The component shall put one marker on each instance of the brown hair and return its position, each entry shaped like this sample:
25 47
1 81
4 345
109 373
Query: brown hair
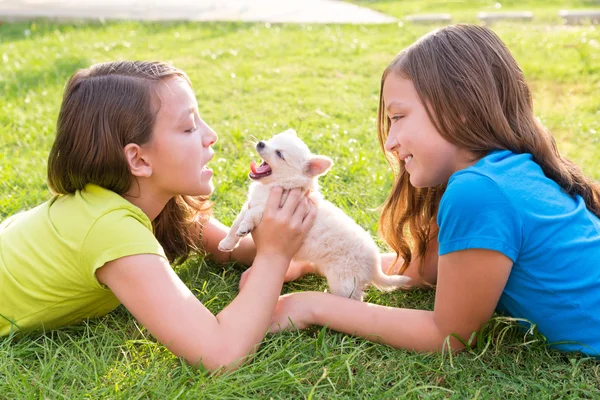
105 107
476 96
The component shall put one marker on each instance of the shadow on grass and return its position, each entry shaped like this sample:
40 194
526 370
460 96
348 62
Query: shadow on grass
13 32
20 82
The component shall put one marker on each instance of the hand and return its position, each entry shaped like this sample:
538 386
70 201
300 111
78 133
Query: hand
283 229
293 311
386 263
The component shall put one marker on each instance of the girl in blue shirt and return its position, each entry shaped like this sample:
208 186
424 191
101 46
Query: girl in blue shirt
483 206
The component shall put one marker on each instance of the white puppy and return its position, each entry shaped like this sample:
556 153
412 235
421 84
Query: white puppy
340 249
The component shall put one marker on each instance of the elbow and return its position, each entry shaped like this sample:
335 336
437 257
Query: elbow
455 342
454 337
219 359
451 344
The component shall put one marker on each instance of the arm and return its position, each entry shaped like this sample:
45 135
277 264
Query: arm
154 294
470 283
214 231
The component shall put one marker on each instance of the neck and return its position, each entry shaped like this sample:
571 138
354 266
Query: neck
306 184
149 202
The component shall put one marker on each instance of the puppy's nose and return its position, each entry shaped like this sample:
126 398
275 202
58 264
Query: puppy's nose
260 145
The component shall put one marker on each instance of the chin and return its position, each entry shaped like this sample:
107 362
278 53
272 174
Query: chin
415 182
203 189
419 183
206 190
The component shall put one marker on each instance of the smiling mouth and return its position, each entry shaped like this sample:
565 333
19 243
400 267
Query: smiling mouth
258 172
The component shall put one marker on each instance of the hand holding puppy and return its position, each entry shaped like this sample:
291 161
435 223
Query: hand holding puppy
283 229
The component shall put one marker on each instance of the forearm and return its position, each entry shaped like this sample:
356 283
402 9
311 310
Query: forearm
245 321
245 253
214 231
398 327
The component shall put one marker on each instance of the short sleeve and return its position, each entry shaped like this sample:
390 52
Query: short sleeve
475 213
118 233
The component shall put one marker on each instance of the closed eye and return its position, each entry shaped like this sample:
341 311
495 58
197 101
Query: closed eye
396 117
279 154
190 130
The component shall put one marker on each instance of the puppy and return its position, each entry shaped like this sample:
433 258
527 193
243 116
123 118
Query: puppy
340 249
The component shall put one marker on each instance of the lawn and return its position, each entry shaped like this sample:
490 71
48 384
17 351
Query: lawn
256 80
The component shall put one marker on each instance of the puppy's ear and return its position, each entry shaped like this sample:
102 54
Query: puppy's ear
317 165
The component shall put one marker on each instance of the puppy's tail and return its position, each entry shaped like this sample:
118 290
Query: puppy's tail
388 283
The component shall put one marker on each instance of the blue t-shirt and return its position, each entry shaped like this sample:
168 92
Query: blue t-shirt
505 203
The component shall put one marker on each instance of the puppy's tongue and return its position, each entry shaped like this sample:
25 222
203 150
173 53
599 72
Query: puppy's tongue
261 169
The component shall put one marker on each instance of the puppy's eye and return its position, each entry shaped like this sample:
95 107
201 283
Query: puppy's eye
279 154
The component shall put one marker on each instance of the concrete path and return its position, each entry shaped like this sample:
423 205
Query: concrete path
299 11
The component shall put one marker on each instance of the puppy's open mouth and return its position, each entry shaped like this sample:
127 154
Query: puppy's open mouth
259 172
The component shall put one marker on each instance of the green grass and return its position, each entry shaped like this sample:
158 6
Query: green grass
544 11
254 79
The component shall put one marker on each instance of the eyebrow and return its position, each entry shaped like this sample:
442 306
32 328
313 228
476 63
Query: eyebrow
394 103
187 112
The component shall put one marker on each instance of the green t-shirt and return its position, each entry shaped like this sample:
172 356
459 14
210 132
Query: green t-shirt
49 256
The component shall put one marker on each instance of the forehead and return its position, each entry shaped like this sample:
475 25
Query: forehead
286 140
175 95
396 88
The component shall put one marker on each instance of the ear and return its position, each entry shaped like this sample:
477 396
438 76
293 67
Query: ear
317 165
138 164
291 132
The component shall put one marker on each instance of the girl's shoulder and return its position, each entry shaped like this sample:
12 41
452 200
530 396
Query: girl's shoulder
511 185
104 225
68 220
517 176
85 207
500 165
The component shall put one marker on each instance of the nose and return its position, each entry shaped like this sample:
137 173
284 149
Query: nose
260 145
391 144
210 138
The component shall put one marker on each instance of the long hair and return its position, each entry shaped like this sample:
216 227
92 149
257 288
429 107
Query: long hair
105 107
476 96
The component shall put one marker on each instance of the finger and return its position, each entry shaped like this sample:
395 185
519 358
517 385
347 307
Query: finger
274 198
292 201
309 218
309 206
301 211
284 196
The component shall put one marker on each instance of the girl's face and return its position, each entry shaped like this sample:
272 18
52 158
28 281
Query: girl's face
181 143
429 159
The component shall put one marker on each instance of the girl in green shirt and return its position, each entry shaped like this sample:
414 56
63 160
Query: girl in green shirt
129 172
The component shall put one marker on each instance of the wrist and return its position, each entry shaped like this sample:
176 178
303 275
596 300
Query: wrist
308 268
273 260
312 309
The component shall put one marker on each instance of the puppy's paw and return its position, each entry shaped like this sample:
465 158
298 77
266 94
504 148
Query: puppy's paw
227 245
244 229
